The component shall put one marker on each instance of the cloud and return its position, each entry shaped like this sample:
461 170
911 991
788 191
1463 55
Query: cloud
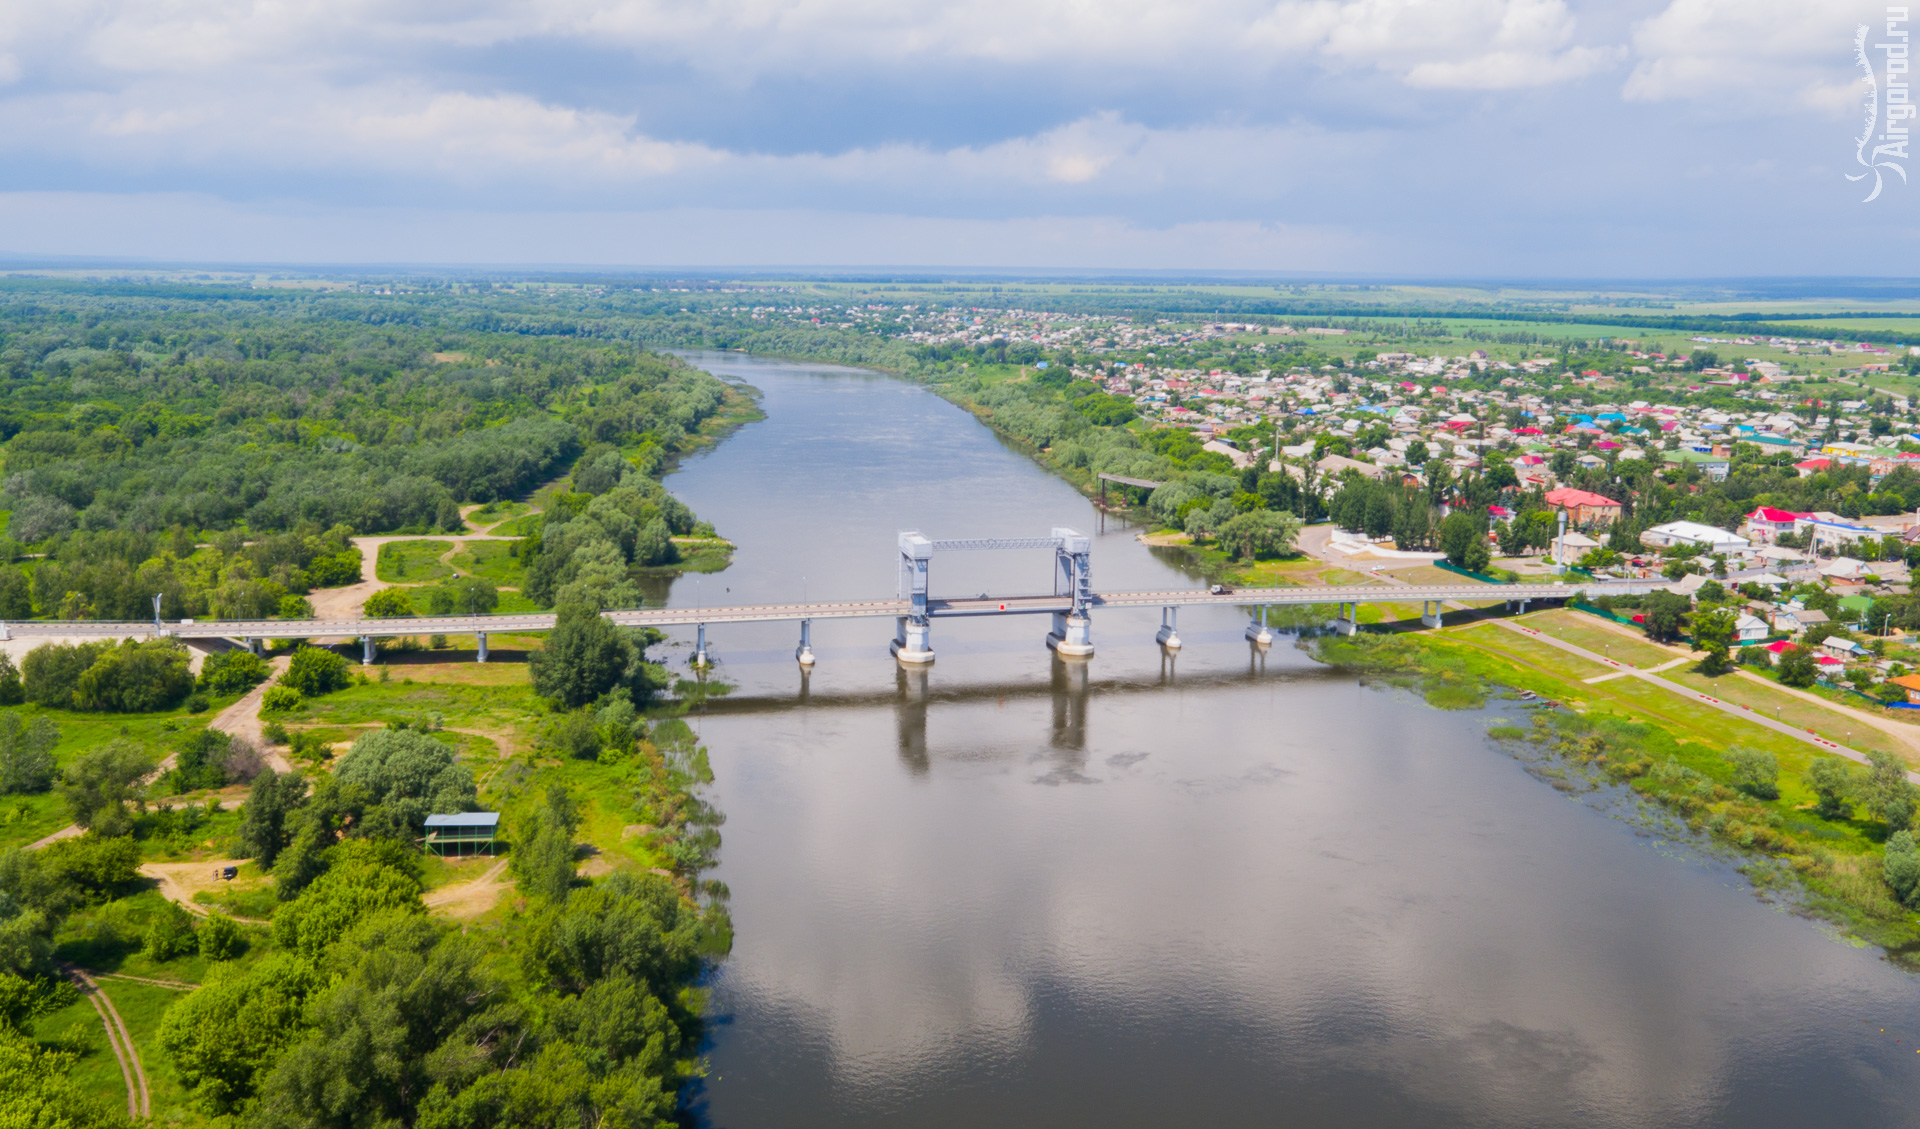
1444 44
1750 56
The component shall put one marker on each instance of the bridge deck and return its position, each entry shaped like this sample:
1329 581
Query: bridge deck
875 609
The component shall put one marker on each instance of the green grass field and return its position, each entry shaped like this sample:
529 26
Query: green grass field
412 562
492 560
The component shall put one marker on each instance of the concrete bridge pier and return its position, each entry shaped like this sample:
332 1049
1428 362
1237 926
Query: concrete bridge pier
1257 630
481 637
1169 634
366 650
257 646
1072 635
805 652
700 647
913 640
1349 621
1430 611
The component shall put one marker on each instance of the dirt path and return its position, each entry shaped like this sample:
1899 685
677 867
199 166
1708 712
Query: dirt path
242 718
472 898
139 1103
180 881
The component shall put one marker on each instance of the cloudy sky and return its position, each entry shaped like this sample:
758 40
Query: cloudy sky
1542 138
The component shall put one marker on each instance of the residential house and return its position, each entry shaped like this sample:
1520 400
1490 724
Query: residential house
1793 621
1766 524
1911 684
1583 509
1750 629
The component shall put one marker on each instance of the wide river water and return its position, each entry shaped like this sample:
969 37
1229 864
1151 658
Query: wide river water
1232 889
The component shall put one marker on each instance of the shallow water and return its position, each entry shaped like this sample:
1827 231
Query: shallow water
1232 888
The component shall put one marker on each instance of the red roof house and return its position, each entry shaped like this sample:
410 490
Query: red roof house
1583 508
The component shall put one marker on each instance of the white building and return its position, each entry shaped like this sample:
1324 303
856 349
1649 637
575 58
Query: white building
1693 533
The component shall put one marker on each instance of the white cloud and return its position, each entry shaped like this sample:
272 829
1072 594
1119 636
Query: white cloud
1750 55
1448 44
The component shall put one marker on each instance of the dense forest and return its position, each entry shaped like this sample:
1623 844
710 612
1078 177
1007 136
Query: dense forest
142 425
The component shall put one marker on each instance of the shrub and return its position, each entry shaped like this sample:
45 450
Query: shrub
232 672
274 732
169 934
315 671
389 603
279 699
218 937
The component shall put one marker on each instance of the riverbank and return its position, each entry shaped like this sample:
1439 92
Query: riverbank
1670 757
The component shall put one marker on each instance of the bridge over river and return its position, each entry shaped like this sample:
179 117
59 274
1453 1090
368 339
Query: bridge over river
1070 605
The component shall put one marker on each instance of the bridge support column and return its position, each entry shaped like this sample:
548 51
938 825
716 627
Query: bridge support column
913 640
805 652
1431 617
481 637
700 647
1072 635
257 646
1169 634
1349 621
1257 630
366 650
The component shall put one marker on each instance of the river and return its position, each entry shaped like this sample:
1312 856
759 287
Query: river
1227 889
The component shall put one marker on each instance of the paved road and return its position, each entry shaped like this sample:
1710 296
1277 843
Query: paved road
1688 692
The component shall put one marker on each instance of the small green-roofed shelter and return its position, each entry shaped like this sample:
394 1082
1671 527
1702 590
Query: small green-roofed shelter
462 833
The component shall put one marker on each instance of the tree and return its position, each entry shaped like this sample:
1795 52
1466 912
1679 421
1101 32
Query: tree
1259 532
218 938
584 657
406 776
314 671
169 933
226 1037
1834 784
1888 795
1416 452
543 860
1902 868
389 603
40 1091
1663 613
50 672
232 672
99 782
1458 534
26 754
466 595
1797 667
1713 633
265 818
1755 772
12 693
135 677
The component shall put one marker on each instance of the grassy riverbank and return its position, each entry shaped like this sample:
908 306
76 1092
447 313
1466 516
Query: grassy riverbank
1673 757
